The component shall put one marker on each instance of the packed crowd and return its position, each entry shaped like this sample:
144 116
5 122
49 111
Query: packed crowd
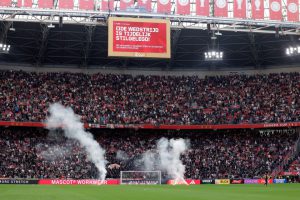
35 153
294 166
127 99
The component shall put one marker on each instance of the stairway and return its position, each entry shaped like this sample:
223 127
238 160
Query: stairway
290 157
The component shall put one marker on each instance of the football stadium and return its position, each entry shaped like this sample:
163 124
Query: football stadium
149 99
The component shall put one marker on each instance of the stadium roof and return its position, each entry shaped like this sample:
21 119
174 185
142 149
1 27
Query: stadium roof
86 46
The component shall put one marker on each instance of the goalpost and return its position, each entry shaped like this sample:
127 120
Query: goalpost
140 177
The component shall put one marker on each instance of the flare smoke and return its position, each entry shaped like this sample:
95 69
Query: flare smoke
168 157
73 128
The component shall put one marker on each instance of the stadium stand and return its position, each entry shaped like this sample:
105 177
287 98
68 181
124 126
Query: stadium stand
126 99
294 165
35 153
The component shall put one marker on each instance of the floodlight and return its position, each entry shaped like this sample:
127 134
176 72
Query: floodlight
4 48
213 55
292 51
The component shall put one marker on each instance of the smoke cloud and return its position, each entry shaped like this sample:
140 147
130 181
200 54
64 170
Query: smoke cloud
73 128
150 161
167 157
121 155
169 153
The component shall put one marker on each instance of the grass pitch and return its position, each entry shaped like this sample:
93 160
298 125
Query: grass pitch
142 192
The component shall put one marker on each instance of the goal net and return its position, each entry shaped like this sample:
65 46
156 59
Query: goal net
140 177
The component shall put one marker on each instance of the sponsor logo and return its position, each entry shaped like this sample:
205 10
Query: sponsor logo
222 181
78 182
136 54
183 2
257 181
139 182
221 3
251 181
279 181
187 181
18 181
275 6
236 181
262 181
207 181
293 8
164 2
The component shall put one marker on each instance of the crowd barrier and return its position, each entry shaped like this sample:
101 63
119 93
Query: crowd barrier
117 181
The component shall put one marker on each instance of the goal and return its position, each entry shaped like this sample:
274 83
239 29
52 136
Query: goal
140 177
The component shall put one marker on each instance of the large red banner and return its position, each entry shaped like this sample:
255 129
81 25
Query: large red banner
275 9
45 3
5 3
107 5
146 4
221 8
86 4
164 6
293 10
26 4
239 8
79 182
66 4
124 4
130 37
258 8
183 7
202 7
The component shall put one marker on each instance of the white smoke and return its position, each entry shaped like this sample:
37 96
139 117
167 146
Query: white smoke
150 162
121 155
167 158
73 128
169 153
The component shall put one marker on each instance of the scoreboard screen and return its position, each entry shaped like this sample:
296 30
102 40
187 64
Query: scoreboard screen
132 37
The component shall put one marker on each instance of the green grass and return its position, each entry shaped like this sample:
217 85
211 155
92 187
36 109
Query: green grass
142 192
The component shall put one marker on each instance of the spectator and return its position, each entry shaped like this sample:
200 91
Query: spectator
34 153
125 99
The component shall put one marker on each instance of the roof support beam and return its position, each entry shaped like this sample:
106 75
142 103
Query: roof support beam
43 45
175 37
5 27
87 45
254 50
